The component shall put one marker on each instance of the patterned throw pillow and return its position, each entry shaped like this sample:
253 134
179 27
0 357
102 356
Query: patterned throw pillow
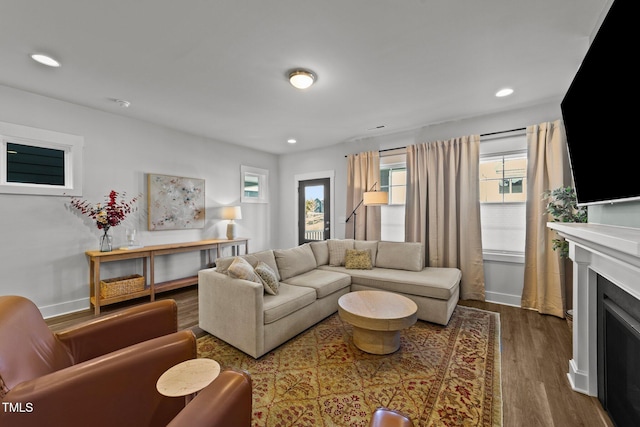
268 276
241 269
337 248
358 260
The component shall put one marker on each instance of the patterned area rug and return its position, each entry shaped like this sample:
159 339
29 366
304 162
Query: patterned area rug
440 376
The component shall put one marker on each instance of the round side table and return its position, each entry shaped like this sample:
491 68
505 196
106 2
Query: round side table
188 378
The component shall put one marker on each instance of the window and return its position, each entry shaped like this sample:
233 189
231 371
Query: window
29 164
393 179
37 161
254 184
503 178
503 195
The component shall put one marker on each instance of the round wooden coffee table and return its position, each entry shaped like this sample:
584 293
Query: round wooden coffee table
377 318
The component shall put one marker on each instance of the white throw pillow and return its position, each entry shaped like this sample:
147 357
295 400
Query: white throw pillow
241 269
268 276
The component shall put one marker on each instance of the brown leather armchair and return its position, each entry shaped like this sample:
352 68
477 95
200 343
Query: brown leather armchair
385 417
102 372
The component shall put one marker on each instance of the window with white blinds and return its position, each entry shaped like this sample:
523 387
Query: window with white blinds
503 170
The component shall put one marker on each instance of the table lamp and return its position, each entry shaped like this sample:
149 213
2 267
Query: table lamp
231 213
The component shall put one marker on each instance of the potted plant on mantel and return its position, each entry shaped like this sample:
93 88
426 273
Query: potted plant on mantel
562 205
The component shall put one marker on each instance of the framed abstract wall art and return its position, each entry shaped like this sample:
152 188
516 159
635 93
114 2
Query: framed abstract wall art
175 202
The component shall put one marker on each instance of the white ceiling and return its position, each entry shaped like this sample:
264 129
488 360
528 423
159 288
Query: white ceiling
217 68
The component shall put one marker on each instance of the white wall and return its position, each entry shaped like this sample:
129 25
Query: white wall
42 241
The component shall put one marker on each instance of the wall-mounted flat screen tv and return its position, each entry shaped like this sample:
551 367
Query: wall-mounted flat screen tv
600 113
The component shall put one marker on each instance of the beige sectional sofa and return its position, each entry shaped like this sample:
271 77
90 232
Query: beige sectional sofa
310 280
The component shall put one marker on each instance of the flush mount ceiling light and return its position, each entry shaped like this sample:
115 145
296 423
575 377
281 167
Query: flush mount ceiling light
301 79
291 141
504 92
44 59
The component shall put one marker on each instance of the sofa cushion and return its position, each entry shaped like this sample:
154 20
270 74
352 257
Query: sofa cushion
289 299
337 250
439 283
324 282
321 252
357 260
268 277
222 264
241 269
372 245
400 255
294 261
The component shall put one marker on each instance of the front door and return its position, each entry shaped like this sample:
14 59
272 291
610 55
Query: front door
314 210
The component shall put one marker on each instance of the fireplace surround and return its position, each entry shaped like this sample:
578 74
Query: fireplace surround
605 254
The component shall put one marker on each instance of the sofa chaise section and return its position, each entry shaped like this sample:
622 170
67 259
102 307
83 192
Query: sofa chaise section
399 267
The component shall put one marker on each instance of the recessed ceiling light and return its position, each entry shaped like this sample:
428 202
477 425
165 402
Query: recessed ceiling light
291 141
44 59
504 92
301 79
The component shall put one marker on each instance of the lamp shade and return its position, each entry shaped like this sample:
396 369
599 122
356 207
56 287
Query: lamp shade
376 198
231 212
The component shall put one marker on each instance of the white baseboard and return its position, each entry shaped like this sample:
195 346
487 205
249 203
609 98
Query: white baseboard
504 299
64 308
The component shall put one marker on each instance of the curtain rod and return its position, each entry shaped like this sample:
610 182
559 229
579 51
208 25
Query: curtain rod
482 134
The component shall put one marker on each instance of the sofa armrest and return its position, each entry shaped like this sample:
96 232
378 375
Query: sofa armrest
226 402
232 310
121 329
117 389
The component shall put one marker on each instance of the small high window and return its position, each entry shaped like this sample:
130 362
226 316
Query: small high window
37 161
28 164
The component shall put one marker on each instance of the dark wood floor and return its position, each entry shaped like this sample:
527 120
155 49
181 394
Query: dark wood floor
535 355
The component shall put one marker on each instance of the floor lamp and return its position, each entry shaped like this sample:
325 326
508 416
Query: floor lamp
370 198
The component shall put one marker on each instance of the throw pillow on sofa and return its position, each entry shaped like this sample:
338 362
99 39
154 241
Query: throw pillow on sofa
294 261
358 259
268 276
320 252
241 269
400 255
372 245
337 250
222 264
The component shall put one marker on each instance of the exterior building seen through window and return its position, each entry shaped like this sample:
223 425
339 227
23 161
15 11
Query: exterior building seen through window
393 179
503 196
503 178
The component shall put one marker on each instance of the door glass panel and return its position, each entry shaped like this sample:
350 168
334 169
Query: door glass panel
314 208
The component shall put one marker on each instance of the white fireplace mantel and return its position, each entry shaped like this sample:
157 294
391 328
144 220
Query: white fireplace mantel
612 252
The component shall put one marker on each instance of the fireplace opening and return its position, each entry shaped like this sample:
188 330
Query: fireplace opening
618 353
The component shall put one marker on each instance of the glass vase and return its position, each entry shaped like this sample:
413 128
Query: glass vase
106 241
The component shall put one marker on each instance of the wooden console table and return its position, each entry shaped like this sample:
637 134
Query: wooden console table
148 254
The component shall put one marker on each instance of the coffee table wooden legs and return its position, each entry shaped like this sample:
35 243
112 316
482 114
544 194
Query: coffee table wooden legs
376 342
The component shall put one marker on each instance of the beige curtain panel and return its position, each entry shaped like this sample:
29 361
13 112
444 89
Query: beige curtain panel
443 208
363 171
548 168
